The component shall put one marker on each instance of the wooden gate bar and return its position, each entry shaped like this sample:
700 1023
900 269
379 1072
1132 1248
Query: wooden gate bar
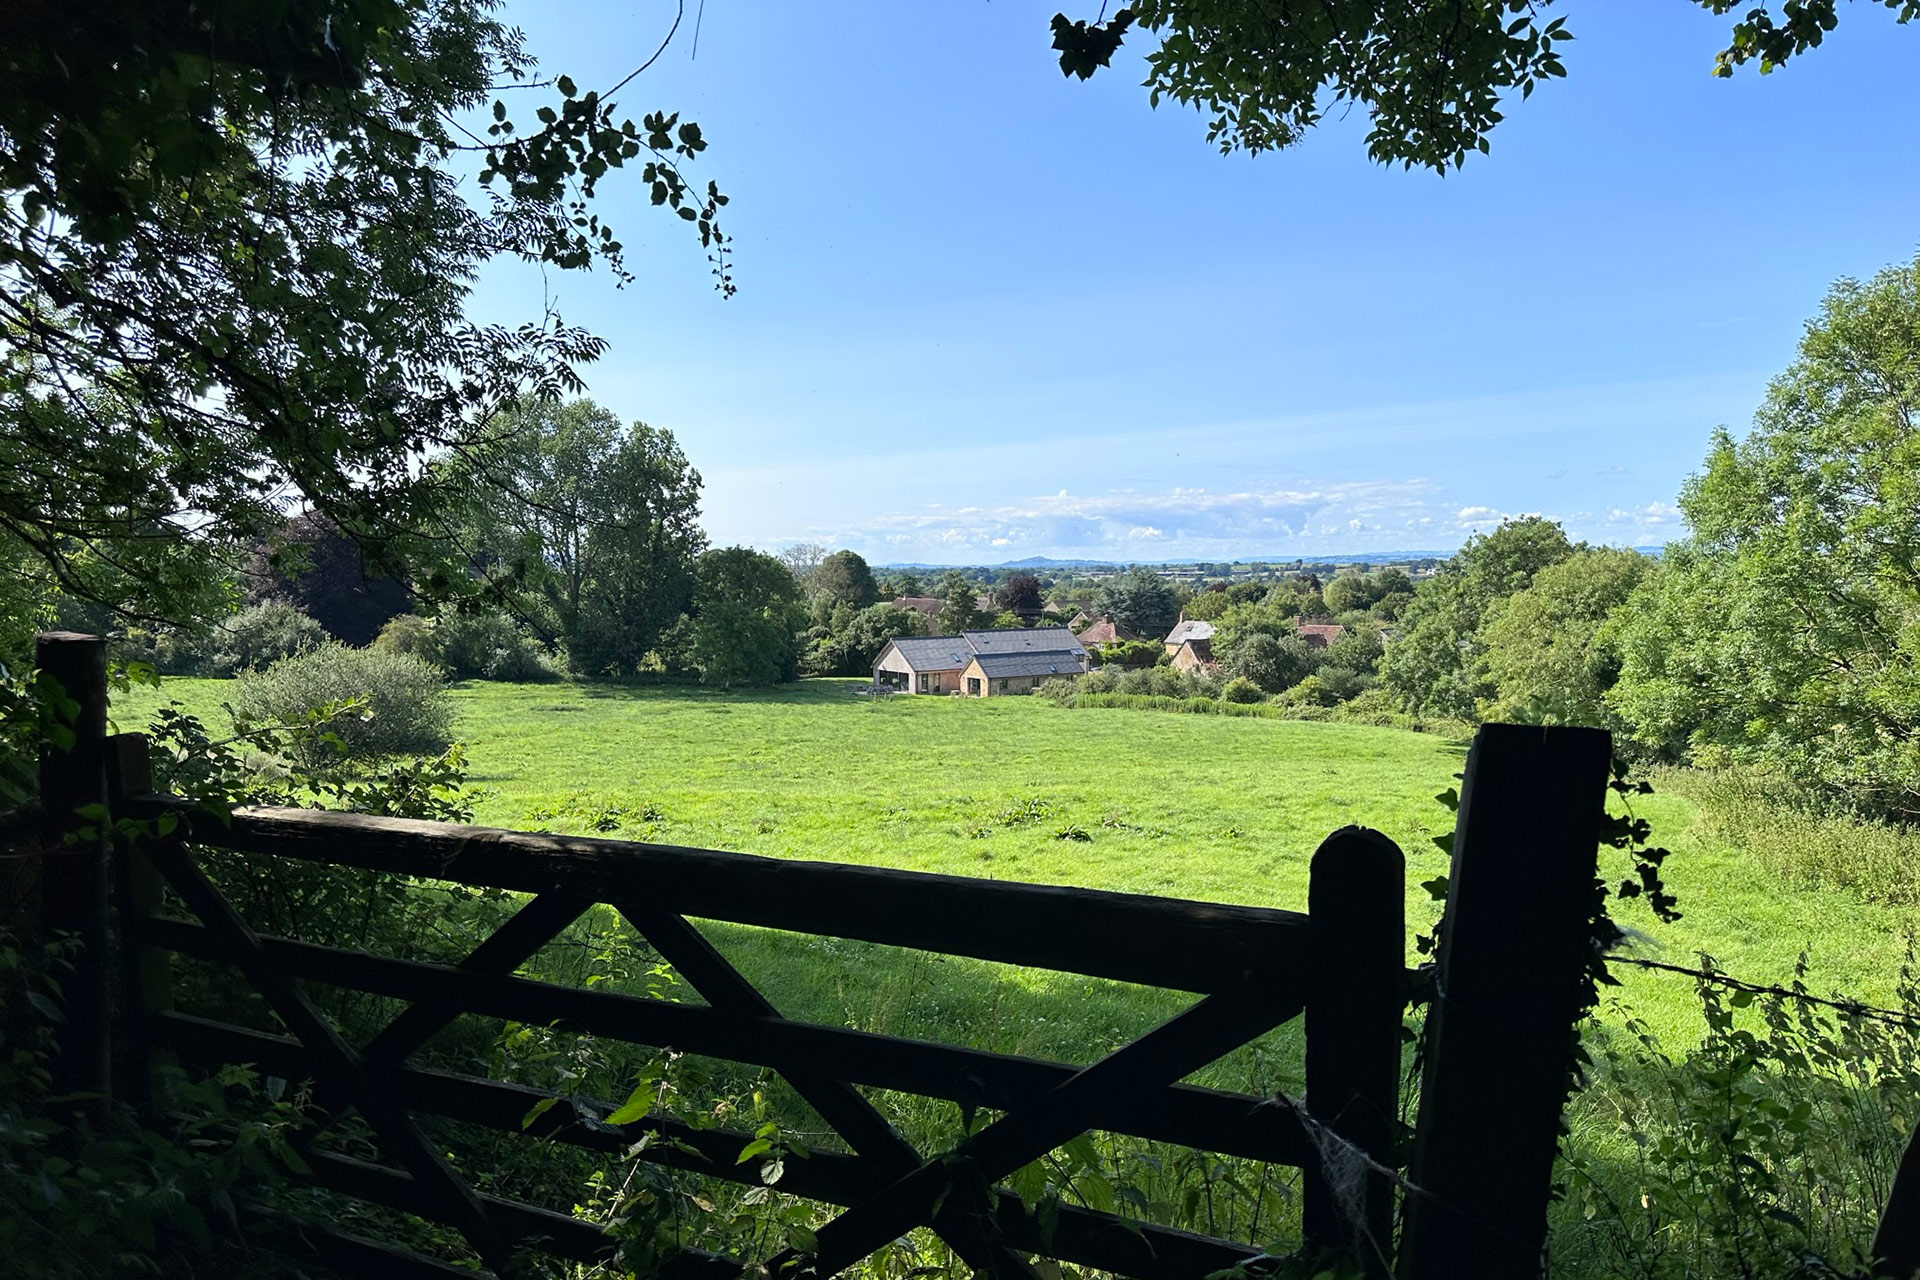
515 942
1188 946
1232 1124
1081 1236
838 1103
335 1065
1184 1043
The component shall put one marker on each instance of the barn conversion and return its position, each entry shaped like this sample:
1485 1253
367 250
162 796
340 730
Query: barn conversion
979 664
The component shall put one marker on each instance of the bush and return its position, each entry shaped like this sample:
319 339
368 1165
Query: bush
1242 690
471 646
253 638
407 709
1059 690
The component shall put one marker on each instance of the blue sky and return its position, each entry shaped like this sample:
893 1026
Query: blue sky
986 313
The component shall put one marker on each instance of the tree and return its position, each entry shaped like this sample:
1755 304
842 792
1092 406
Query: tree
851 646
1349 591
1433 75
801 559
237 259
844 578
1275 663
1019 593
1139 600
1807 535
593 529
313 566
746 612
1432 669
961 610
1546 653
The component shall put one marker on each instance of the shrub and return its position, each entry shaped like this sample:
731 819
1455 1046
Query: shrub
259 635
1059 690
1242 690
471 646
1311 692
407 709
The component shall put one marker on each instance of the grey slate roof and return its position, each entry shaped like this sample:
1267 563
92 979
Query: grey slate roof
1025 640
934 653
1057 662
1192 629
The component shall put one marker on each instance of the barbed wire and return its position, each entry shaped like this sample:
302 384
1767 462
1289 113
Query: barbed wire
1852 1008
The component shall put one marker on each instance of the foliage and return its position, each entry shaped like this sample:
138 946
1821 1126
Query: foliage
1019 593
961 612
238 259
844 578
1242 690
747 609
1432 76
1271 663
1764 1151
801 559
591 528
1139 600
1434 667
1807 535
857 639
313 566
1787 829
405 706
1132 653
250 639
1547 654
77 1202
470 645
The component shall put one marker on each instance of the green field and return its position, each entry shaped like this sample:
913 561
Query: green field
1190 806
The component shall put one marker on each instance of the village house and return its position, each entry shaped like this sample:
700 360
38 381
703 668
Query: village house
979 664
1103 630
1187 630
927 607
1195 655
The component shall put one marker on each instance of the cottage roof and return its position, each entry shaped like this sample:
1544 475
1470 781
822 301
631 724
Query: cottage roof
928 605
1319 635
1200 647
933 653
1025 640
1190 629
1105 631
1057 662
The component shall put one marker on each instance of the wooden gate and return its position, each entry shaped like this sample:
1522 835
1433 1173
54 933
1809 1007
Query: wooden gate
1341 964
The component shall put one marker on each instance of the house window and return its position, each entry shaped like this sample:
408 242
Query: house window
923 682
1003 686
973 687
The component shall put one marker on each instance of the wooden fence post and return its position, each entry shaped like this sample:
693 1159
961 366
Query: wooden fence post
75 874
1513 947
145 974
1896 1243
1356 994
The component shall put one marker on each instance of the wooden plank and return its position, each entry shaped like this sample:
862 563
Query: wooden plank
838 1103
73 887
1169 942
144 974
336 1066
1216 1025
515 942
1356 995
1514 946
346 1253
1080 1236
528 1226
1212 1120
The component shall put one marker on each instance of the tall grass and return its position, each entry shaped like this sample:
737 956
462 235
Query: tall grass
1786 829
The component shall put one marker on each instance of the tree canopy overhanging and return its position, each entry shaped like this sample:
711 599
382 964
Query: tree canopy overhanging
236 244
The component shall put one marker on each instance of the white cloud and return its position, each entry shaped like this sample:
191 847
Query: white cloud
1145 531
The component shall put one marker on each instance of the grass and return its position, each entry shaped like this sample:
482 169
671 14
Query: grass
1215 808
1209 807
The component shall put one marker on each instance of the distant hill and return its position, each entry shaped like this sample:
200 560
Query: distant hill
1048 562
